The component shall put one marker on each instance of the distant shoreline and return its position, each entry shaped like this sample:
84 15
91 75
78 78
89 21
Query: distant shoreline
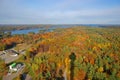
12 27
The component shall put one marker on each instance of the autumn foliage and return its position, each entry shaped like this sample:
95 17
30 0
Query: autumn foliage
96 49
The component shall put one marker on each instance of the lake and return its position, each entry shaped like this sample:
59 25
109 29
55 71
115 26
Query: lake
25 31
37 30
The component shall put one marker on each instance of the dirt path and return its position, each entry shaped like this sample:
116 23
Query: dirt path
65 74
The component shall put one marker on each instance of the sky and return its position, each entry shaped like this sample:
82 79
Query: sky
59 11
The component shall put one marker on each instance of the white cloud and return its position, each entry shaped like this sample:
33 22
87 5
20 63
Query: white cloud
12 12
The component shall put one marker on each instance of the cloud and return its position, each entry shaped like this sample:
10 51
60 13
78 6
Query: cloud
14 12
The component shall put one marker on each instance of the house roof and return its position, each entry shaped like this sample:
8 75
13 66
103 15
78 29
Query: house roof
13 64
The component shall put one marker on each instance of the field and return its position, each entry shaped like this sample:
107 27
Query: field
75 53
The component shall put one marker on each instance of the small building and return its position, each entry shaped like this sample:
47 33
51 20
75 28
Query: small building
15 67
12 67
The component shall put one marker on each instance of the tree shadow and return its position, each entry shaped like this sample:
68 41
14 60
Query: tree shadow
23 76
60 75
10 46
60 78
72 57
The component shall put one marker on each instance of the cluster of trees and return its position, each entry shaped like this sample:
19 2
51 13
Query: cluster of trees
3 69
96 50
9 42
4 34
97 57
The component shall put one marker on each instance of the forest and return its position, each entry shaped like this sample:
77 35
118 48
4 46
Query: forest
75 53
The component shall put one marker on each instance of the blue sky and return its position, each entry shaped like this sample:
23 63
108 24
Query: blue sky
59 11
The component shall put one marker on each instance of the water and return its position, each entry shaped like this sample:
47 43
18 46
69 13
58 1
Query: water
25 31
30 30
37 30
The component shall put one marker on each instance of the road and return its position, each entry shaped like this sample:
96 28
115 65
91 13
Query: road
13 75
7 58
